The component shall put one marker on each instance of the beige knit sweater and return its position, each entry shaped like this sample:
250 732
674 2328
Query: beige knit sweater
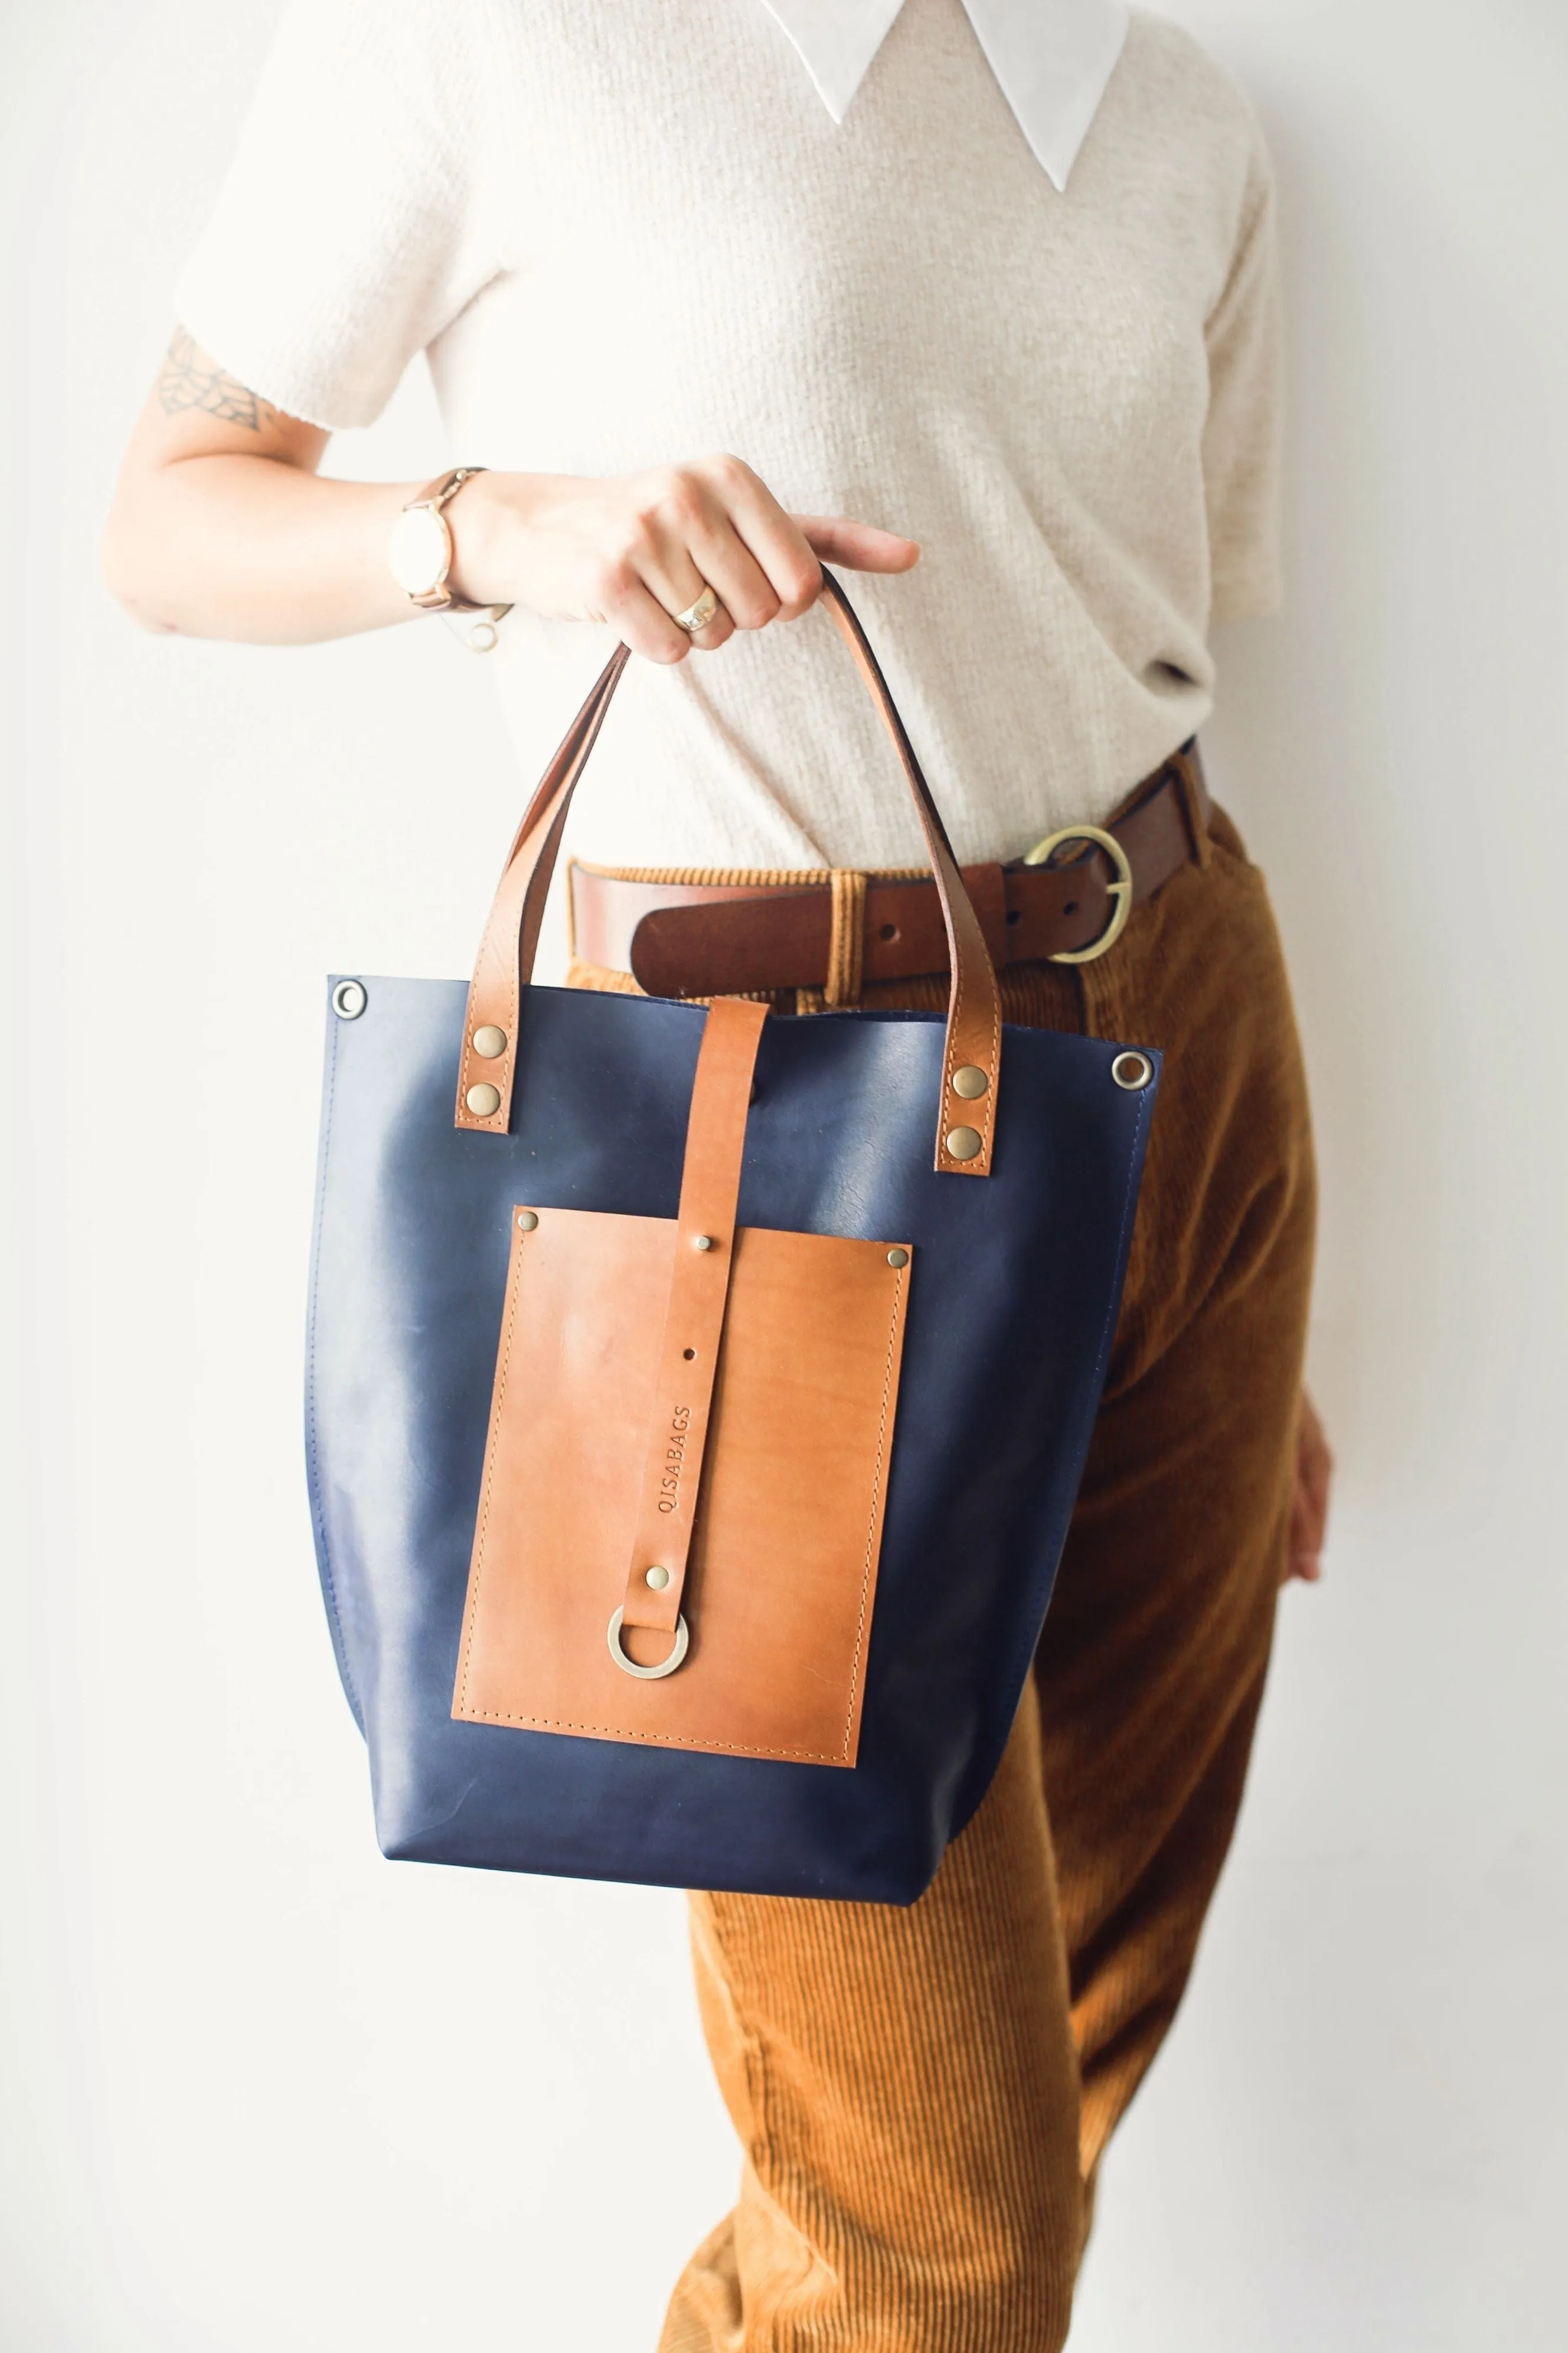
626 231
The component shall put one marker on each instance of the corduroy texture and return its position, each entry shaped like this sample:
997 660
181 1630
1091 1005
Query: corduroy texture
922 2095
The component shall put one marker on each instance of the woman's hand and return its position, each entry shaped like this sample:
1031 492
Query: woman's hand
634 550
1310 1504
223 527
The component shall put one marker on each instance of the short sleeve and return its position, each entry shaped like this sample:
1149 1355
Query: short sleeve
1242 432
355 221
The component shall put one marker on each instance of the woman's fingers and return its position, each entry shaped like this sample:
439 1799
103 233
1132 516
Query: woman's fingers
1309 1504
734 570
654 556
645 548
693 549
859 546
715 525
676 579
772 538
640 619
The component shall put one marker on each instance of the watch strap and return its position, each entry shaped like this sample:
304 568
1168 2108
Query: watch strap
435 495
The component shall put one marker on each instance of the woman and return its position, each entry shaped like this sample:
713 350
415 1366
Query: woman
1010 291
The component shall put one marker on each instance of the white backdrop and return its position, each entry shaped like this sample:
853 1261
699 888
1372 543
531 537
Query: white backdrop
264 2090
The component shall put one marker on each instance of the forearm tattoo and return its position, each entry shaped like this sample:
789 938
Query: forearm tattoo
187 381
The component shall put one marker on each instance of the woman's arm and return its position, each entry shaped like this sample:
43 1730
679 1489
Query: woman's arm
222 528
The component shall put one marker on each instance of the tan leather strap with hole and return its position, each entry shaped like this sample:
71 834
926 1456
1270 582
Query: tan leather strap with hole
505 964
973 1040
975 997
694 1319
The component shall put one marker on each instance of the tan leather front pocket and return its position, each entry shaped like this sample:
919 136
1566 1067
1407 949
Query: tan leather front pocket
784 1558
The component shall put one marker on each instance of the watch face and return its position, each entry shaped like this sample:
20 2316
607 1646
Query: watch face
420 552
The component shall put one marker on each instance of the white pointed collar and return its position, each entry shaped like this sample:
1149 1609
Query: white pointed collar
1052 58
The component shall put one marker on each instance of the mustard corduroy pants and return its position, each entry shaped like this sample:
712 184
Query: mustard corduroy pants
922 2095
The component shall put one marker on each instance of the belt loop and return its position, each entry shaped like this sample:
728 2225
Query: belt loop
1192 793
846 948
571 909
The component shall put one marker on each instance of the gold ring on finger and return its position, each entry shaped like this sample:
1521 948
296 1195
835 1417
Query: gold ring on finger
697 617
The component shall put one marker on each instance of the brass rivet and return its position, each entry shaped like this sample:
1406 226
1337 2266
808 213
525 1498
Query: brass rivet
703 1241
349 999
969 1080
658 1577
483 1100
489 1041
898 1258
1132 1071
526 1221
964 1142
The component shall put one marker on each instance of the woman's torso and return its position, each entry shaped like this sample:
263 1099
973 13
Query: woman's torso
897 318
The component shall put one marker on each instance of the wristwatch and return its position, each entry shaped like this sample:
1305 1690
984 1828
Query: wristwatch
420 552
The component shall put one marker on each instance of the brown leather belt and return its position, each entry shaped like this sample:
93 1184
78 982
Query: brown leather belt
729 939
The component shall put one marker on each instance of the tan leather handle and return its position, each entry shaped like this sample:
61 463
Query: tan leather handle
966 1115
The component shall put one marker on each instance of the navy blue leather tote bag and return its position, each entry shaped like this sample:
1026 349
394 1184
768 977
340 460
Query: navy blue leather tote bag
696 1405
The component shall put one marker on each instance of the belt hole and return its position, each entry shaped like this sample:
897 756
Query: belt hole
888 932
1071 907
688 1354
1013 914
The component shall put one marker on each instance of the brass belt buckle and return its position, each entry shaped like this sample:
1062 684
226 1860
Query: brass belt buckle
1120 890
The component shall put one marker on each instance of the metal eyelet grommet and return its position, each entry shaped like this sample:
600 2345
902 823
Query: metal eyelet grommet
648 1675
1132 1071
349 999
